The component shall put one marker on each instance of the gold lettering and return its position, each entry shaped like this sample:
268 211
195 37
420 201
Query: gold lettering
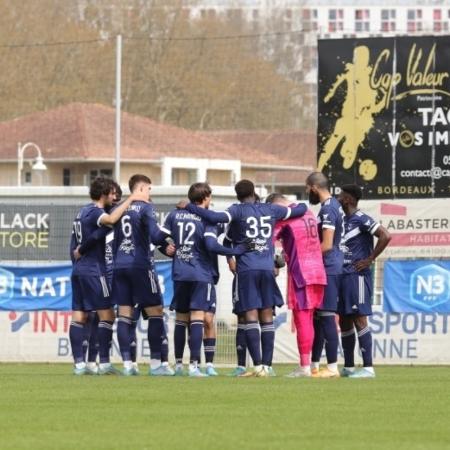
42 239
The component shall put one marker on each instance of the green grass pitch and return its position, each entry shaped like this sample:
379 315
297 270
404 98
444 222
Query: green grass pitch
45 407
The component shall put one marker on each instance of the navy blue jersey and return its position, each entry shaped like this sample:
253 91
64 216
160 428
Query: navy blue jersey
255 221
87 222
134 233
358 240
192 261
331 216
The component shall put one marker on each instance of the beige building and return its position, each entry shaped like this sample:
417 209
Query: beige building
77 143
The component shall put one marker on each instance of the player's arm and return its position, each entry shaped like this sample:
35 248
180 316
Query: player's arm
72 247
98 235
214 247
211 216
286 212
119 210
327 240
383 240
158 235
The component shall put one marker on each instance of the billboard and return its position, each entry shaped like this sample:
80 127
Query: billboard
417 286
419 228
384 115
30 288
398 338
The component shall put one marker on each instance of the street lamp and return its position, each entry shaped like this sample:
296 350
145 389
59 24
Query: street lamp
38 164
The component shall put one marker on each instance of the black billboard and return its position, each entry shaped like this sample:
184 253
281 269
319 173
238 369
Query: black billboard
384 115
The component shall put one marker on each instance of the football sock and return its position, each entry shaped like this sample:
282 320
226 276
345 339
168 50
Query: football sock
165 348
241 345
195 340
331 338
155 332
209 346
133 340
179 338
267 342
318 341
93 340
348 340
123 336
365 345
105 332
76 336
253 338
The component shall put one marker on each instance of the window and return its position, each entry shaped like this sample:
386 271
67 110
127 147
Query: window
335 20
66 177
438 24
183 177
309 17
414 22
362 20
93 174
27 177
388 20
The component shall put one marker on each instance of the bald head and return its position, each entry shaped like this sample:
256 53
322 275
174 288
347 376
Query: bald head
317 179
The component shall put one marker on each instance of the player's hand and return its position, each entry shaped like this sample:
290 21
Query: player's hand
279 260
363 264
170 250
77 254
232 265
276 271
182 204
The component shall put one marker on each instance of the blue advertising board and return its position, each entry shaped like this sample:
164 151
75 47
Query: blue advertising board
48 287
417 286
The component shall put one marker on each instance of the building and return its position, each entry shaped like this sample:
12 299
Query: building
77 143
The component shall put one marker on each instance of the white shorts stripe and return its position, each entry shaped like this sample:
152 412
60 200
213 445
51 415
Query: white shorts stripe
104 287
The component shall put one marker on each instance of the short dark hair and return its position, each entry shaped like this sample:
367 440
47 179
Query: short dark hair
354 190
244 189
317 179
100 186
271 198
198 192
138 178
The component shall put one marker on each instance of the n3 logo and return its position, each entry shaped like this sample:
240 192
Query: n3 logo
430 285
6 285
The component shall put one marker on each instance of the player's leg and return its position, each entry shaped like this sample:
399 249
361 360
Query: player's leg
92 353
318 343
347 305
362 327
179 339
241 347
76 337
209 343
240 340
348 341
155 334
327 318
267 337
133 337
303 320
77 325
271 298
165 344
123 298
196 326
105 334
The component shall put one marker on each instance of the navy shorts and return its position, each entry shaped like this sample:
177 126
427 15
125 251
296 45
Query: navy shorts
356 294
256 289
136 286
90 293
331 294
193 296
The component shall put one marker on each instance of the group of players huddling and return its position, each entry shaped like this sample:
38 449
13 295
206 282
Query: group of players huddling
329 262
